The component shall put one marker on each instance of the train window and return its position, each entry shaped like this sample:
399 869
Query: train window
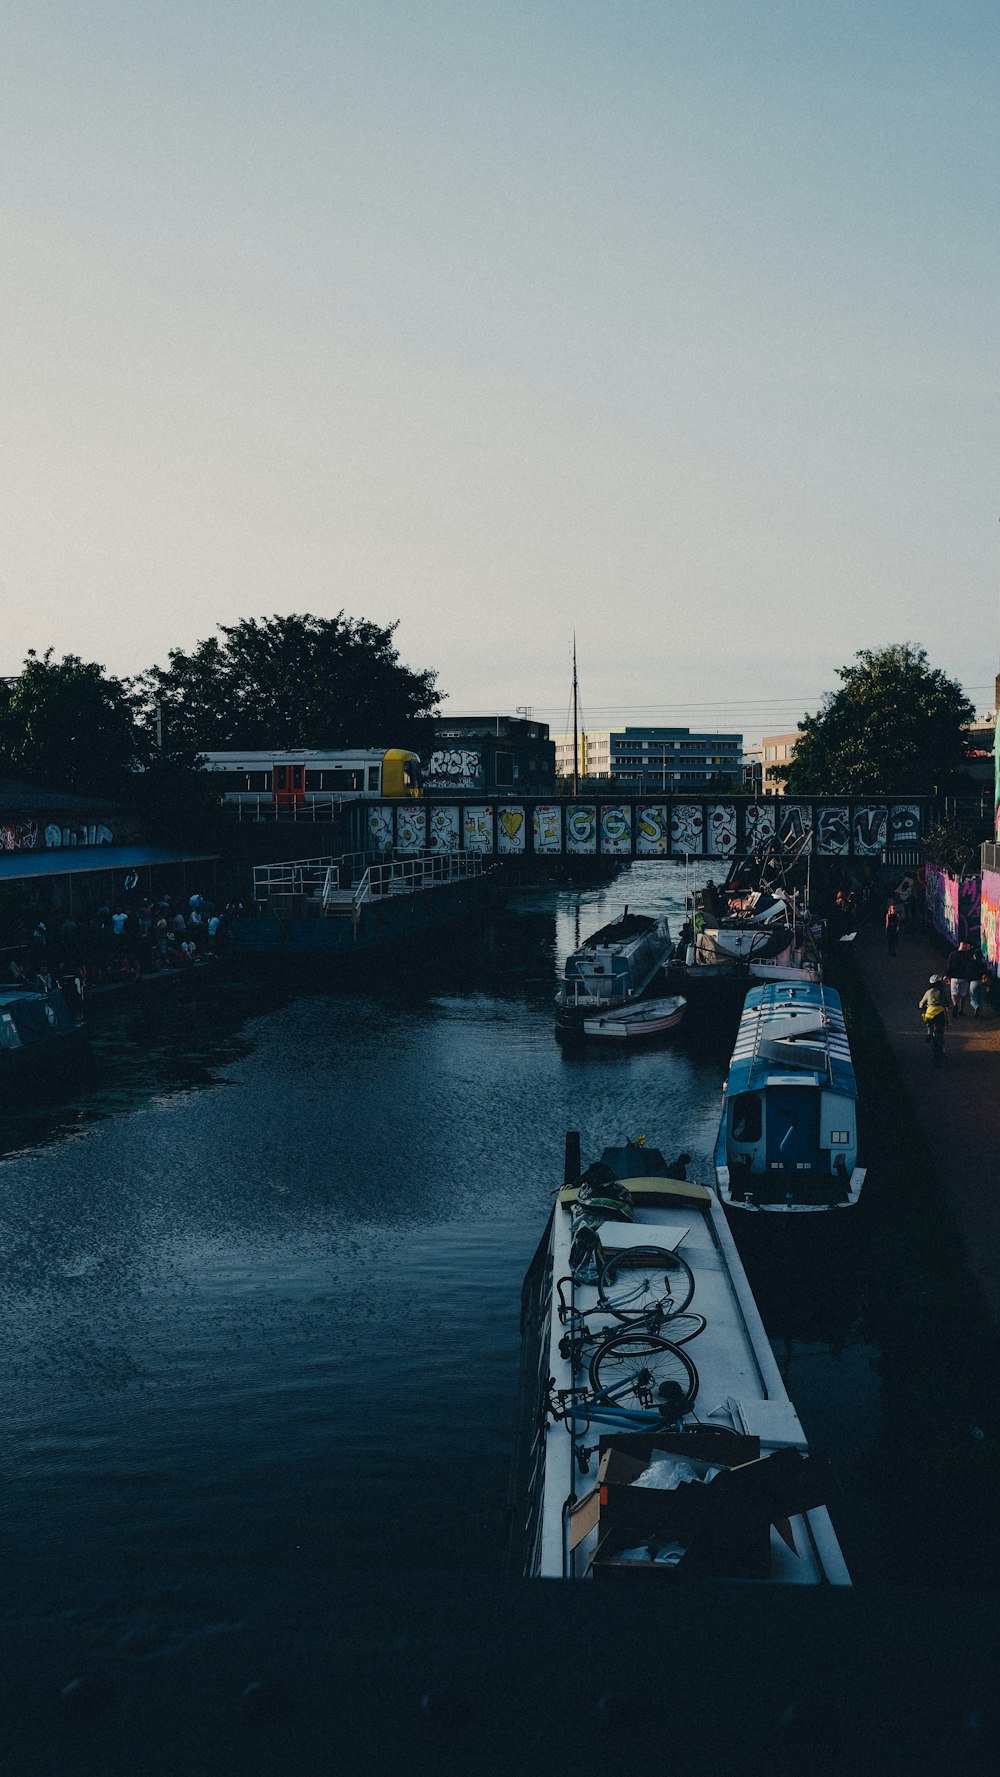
342 779
281 777
314 780
256 780
411 774
373 778
296 777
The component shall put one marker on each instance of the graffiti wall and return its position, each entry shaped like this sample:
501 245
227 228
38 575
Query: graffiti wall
411 830
759 824
19 835
721 829
616 831
581 828
687 828
833 830
652 832
443 828
477 828
954 904
380 827
454 768
989 920
548 827
510 828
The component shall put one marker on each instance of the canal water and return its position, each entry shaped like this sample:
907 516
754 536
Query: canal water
261 1274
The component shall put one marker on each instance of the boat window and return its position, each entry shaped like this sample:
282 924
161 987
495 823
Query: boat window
373 774
842 1136
746 1123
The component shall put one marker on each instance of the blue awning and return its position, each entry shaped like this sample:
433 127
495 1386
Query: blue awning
79 860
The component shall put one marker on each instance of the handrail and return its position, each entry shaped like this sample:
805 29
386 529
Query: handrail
366 876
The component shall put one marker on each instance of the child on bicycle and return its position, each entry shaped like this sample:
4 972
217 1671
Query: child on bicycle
934 1006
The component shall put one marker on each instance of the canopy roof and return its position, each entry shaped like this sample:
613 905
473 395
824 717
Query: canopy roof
78 860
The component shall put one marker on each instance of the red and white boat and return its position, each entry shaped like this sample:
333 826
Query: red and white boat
644 1018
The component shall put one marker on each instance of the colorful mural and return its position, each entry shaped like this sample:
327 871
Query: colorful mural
380 827
989 920
616 831
477 827
548 827
652 832
411 830
444 828
687 828
868 830
581 827
721 829
510 828
954 904
833 830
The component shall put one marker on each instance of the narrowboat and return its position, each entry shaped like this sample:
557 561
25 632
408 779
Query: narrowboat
614 966
788 1138
38 1029
656 1441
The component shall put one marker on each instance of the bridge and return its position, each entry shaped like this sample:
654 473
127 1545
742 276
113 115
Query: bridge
680 828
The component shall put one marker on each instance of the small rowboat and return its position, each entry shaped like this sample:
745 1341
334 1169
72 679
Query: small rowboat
646 1018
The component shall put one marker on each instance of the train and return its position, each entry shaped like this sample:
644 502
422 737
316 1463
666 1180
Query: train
298 780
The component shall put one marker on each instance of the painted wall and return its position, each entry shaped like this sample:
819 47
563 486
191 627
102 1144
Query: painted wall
989 921
953 903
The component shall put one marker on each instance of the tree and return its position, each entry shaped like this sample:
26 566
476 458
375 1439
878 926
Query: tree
895 727
296 681
67 724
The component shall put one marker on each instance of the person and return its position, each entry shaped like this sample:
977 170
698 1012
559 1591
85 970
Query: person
962 967
678 1168
934 1006
979 991
892 928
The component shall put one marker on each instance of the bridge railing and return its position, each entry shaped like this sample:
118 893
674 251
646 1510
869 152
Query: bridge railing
362 876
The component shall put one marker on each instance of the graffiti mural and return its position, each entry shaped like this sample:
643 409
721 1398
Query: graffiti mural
56 838
19 835
548 827
444 829
721 829
380 827
954 904
759 823
510 828
454 768
794 823
687 828
833 830
616 831
411 829
581 827
904 823
477 828
989 921
868 830
652 832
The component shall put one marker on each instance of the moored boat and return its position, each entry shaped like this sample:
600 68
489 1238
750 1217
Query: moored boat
656 1438
646 1018
788 1138
38 1028
614 966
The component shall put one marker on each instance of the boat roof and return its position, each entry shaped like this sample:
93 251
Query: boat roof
792 1030
740 1384
620 930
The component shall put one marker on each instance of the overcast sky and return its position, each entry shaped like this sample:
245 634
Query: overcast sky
672 322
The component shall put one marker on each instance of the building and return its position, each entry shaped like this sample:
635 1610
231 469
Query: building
667 759
777 749
490 755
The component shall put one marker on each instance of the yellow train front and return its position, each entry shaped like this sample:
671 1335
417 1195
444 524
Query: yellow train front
258 783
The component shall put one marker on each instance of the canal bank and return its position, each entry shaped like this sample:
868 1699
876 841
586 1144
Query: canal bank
955 1105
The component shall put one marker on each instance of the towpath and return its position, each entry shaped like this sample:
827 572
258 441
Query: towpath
957 1104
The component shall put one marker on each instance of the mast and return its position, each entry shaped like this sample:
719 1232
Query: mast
576 756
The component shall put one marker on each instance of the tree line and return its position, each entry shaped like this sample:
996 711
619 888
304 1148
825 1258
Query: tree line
281 681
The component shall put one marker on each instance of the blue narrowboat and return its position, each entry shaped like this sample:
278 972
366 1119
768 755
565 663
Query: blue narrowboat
788 1139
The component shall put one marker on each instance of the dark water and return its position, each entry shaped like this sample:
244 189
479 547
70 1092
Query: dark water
261 1280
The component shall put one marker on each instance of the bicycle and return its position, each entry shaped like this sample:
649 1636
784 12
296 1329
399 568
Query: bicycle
935 1027
638 1382
631 1282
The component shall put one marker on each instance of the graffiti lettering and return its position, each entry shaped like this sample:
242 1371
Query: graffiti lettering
458 767
57 838
18 835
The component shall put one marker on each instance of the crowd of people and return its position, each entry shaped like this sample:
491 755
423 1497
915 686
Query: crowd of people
123 942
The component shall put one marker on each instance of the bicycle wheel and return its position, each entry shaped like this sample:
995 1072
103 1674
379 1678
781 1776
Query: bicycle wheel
644 1373
683 1328
640 1278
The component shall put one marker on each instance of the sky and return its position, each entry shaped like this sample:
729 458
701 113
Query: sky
668 323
